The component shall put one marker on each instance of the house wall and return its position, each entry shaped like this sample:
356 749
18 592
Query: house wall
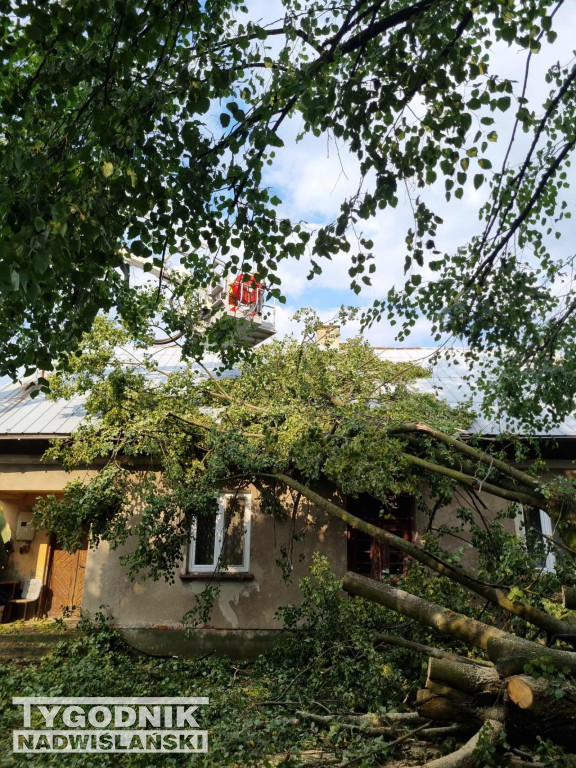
244 608
22 480
241 604
486 506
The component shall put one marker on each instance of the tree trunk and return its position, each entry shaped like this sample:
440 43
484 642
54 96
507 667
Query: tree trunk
456 625
468 678
536 706
459 692
447 705
510 655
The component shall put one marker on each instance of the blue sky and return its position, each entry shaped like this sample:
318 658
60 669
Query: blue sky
312 178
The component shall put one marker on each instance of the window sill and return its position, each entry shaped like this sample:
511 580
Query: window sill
218 576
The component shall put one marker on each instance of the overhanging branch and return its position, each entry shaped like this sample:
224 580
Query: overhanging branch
494 594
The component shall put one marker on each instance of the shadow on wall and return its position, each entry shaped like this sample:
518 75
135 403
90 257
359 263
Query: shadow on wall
247 603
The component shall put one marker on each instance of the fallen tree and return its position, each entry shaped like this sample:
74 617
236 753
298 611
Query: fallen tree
457 692
305 423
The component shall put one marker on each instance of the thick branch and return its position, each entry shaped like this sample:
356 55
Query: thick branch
454 624
468 450
384 25
467 756
477 483
495 595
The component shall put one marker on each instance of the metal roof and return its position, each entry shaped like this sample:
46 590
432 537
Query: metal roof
24 416
449 380
20 415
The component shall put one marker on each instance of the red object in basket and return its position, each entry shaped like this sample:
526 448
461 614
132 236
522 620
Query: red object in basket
245 292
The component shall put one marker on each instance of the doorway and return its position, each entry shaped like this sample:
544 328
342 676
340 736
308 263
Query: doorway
65 580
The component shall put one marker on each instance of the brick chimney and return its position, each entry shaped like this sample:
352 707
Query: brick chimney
328 336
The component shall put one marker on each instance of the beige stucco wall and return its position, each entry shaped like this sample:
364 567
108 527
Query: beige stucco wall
247 605
241 604
488 507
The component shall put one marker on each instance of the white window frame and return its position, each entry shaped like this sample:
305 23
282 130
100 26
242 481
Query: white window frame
547 530
219 538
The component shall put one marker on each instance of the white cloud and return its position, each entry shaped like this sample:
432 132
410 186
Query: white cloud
313 176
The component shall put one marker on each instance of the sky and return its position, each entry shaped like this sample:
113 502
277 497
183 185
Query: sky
312 178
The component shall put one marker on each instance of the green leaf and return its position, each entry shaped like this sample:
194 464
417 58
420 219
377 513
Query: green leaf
41 260
107 170
478 180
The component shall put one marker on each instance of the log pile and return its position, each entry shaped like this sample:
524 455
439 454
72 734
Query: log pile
485 696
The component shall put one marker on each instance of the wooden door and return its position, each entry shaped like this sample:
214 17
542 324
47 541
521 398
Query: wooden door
65 580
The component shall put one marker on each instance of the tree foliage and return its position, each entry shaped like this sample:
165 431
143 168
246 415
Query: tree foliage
296 415
151 125
169 443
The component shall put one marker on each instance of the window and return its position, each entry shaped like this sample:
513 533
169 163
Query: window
537 530
222 543
378 559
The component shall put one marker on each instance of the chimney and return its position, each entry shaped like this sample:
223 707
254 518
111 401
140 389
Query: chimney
328 337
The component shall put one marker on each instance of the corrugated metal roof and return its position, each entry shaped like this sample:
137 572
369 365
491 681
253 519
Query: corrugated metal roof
20 415
449 380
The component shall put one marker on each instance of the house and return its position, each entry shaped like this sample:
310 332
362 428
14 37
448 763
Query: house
252 589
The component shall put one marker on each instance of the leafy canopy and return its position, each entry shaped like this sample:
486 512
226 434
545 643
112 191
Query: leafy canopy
169 443
151 125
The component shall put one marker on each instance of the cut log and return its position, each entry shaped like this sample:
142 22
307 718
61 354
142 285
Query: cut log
511 655
427 650
541 707
569 598
447 705
468 678
466 756
443 709
433 615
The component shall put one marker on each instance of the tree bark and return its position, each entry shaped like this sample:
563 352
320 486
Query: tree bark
456 625
441 703
466 756
468 678
446 706
499 597
510 655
